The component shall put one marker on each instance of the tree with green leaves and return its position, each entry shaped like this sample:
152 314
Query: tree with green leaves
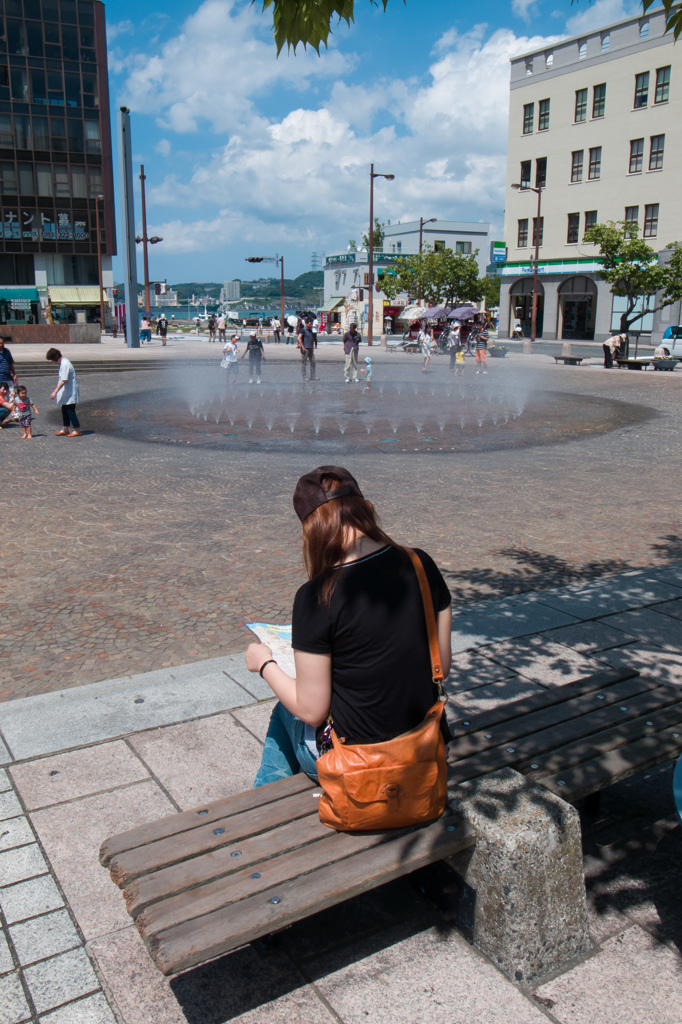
632 269
444 278
378 235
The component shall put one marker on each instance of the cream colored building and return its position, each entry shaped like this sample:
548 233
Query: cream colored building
597 120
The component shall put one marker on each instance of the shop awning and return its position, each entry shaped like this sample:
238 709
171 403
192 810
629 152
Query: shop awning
412 313
331 304
25 294
75 295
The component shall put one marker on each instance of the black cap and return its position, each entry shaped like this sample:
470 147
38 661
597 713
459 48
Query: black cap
310 493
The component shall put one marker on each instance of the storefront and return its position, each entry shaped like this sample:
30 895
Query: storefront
330 314
19 306
74 304
521 305
577 308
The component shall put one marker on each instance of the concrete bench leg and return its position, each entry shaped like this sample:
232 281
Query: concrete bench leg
523 899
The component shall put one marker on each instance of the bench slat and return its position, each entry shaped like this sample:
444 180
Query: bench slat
203 938
183 821
586 749
554 715
614 766
274 870
188 875
174 849
525 705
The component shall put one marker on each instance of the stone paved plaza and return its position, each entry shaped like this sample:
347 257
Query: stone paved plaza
129 569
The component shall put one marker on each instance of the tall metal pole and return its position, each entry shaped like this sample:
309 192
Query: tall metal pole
281 292
99 265
421 232
370 276
128 247
145 241
534 314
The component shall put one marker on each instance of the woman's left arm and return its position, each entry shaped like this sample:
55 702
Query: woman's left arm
309 695
445 639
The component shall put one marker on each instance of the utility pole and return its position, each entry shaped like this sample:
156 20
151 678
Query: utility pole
145 242
128 247
370 305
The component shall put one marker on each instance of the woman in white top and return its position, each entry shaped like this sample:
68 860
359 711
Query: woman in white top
66 393
425 340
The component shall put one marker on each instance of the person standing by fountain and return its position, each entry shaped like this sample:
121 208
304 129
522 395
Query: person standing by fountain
306 344
453 344
254 347
230 357
426 341
66 393
351 347
221 327
481 333
276 327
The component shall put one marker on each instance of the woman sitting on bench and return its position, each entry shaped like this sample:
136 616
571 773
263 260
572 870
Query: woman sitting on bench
358 632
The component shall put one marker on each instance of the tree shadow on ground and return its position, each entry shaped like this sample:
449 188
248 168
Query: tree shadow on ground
537 570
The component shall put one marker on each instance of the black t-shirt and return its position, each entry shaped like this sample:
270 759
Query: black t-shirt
6 365
307 336
375 631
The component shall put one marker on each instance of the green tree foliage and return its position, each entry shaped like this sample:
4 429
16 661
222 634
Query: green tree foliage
491 290
308 21
632 269
673 14
378 235
443 278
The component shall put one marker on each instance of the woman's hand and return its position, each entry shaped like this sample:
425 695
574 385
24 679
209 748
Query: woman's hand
256 656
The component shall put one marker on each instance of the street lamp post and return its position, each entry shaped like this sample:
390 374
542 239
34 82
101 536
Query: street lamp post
534 314
99 265
370 276
422 222
273 259
145 241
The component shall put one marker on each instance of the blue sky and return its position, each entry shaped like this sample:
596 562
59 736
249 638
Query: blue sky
249 154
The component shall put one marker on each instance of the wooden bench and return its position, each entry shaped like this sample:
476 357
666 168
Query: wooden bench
569 360
205 881
633 364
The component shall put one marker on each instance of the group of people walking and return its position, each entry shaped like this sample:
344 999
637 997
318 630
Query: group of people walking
16 405
459 339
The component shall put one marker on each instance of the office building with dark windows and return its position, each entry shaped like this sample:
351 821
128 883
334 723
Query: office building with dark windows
55 161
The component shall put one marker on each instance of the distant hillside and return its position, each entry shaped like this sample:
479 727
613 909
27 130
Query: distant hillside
304 290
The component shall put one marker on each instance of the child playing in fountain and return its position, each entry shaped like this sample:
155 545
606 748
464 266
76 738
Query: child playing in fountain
368 371
459 359
230 357
23 406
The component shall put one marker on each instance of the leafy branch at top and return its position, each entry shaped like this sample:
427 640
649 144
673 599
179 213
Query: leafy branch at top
308 21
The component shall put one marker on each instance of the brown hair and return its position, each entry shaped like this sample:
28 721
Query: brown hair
325 532
52 355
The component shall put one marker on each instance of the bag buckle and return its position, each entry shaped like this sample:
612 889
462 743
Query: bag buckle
392 791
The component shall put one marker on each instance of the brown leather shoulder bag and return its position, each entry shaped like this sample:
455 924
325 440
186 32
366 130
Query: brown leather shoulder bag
400 782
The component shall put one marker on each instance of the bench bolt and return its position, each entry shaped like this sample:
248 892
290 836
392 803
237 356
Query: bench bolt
488 735
560 782
535 766
510 750
623 709
600 696
218 831
256 874
466 723
203 812
276 899
236 853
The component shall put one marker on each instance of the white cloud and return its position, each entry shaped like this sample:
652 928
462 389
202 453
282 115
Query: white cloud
120 28
602 12
163 147
524 8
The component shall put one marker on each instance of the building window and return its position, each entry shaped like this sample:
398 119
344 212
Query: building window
605 42
632 215
8 180
538 230
41 139
399 246
22 131
6 139
525 173
577 165
594 168
44 179
541 172
582 49
529 65
79 188
464 247
644 29
651 220
93 140
543 116
549 59
439 245
590 219
599 100
62 187
573 228
662 85
656 152
26 186
521 240
636 154
641 89
528 115
580 105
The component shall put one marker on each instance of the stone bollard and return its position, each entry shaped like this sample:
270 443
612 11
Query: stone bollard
383 341
527 347
522 901
566 348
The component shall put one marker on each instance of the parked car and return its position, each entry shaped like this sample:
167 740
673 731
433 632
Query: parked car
672 340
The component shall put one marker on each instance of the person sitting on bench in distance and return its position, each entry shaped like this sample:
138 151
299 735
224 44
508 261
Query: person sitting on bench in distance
358 633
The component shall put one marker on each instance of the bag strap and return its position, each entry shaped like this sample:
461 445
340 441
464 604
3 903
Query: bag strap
434 650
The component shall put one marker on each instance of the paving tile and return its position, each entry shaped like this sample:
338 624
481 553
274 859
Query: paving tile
44 936
52 780
52 722
5 756
9 805
5 783
426 977
13 1005
484 698
60 979
15 832
6 962
647 624
586 637
202 760
256 717
24 862
470 669
542 661
26 899
671 573
673 608
242 988
91 1010
72 835
490 621
632 979
657 663
612 595
236 668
